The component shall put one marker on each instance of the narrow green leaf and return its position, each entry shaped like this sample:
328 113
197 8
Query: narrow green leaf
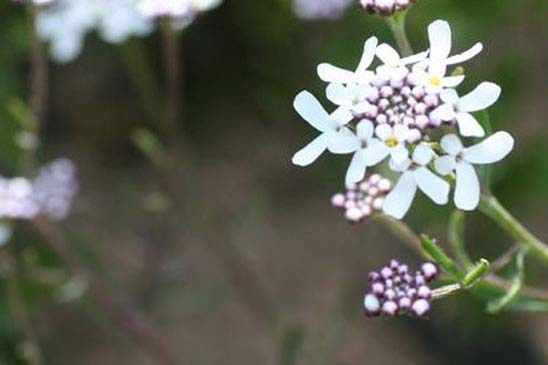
513 293
471 277
439 256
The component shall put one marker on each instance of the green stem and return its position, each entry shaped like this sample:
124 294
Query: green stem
491 207
456 238
397 26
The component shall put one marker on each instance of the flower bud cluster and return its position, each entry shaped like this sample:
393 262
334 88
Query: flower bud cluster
363 199
385 7
396 291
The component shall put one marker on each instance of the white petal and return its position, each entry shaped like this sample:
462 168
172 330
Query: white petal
368 55
469 126
401 132
451 144
356 169
311 151
310 109
452 81
375 152
330 73
467 191
342 142
383 131
483 96
365 129
492 149
439 34
423 154
399 154
400 167
432 185
449 96
444 112
339 117
388 55
466 55
398 202
445 165
337 93
414 58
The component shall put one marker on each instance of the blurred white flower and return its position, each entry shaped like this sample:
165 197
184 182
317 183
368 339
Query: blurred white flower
65 23
459 109
415 174
461 160
320 9
183 12
55 187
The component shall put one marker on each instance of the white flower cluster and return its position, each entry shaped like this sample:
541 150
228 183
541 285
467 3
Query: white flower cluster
65 23
49 194
406 111
320 9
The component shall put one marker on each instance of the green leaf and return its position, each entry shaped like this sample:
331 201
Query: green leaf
440 257
513 293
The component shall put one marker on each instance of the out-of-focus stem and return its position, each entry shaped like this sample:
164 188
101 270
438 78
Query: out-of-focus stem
30 346
173 78
491 207
127 319
397 26
39 76
445 291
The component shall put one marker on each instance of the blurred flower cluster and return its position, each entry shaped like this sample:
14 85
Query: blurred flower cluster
49 194
320 9
65 23
407 112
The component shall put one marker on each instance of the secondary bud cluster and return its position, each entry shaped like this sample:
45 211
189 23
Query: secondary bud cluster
385 7
364 198
395 290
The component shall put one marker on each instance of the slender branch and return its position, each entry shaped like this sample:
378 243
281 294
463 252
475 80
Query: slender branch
491 207
410 238
456 238
446 291
30 349
39 76
134 324
397 26
505 258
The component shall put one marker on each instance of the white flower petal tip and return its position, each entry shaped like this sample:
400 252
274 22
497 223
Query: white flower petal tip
482 97
492 149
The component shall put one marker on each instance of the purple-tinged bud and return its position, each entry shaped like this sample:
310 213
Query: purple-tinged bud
371 305
420 280
377 289
390 294
394 264
390 308
420 307
404 303
424 292
429 270
354 214
403 269
338 200
389 283
374 277
386 272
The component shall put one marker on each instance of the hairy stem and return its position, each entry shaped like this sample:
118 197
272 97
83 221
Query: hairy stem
397 26
491 207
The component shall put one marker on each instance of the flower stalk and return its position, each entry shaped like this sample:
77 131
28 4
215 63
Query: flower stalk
491 207
396 23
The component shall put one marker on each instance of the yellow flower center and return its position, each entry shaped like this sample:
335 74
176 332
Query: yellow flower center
435 80
391 142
